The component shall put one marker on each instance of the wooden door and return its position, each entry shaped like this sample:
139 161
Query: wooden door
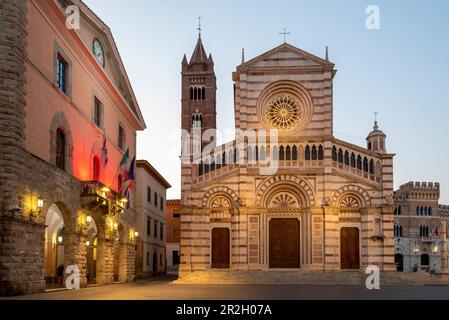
350 248
221 248
284 244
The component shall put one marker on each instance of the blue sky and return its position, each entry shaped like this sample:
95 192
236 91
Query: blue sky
400 70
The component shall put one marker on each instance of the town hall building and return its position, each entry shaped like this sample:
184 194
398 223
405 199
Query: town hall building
327 206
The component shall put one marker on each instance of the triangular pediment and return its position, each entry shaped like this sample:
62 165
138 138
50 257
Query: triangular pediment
287 55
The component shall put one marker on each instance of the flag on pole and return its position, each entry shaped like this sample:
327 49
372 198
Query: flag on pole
437 232
104 152
131 177
125 158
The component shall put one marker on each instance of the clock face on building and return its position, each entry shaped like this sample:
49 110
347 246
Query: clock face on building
98 52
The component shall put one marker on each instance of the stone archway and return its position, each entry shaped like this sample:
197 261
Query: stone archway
54 247
91 249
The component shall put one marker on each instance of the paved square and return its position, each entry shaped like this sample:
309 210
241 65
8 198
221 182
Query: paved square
164 289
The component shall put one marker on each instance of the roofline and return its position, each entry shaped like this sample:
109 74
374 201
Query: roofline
107 31
291 47
153 172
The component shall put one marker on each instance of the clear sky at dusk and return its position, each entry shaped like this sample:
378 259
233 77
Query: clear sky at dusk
400 71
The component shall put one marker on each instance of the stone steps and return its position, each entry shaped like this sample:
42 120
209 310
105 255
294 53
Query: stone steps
308 278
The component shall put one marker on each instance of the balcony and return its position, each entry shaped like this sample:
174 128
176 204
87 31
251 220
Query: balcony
426 240
95 195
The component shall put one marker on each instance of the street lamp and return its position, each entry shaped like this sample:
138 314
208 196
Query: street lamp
35 213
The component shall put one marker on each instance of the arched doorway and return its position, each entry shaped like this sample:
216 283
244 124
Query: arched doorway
350 248
91 244
54 248
284 244
221 253
399 261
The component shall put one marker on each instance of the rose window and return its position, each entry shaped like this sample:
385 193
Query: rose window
283 112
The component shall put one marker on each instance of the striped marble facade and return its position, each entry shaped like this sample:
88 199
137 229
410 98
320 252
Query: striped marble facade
324 193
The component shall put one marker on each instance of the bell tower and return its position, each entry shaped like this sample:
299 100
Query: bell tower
199 92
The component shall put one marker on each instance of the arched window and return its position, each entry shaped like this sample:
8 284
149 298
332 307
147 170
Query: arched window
61 149
231 159
430 211
359 163
282 153
96 169
417 211
191 93
295 153
200 168
256 153
288 153
314 153
207 167
334 154
347 162
263 153
399 210
372 168
365 164
353 164
218 162
250 154
203 93
321 153
275 153
224 159
212 166
307 153
340 156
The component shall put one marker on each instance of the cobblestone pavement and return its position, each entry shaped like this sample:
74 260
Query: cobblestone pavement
164 289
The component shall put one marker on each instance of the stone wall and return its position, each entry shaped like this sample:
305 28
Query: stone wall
21 256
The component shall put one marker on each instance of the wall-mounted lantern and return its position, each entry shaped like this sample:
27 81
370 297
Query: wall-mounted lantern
35 213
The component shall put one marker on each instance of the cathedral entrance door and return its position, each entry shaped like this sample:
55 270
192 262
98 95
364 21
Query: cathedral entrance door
284 244
350 248
221 248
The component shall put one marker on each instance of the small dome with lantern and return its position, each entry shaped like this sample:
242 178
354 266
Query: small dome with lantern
376 139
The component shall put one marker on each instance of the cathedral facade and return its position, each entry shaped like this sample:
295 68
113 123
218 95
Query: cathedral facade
285 194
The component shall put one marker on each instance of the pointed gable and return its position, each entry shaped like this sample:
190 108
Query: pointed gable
286 55
199 54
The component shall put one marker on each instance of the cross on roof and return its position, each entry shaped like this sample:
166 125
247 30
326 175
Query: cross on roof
285 34
375 115
199 25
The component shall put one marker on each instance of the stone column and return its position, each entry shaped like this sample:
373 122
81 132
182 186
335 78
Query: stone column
127 262
317 245
388 239
75 253
444 263
331 239
105 261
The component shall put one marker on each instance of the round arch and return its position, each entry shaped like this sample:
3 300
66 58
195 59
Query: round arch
225 192
355 192
54 246
293 184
